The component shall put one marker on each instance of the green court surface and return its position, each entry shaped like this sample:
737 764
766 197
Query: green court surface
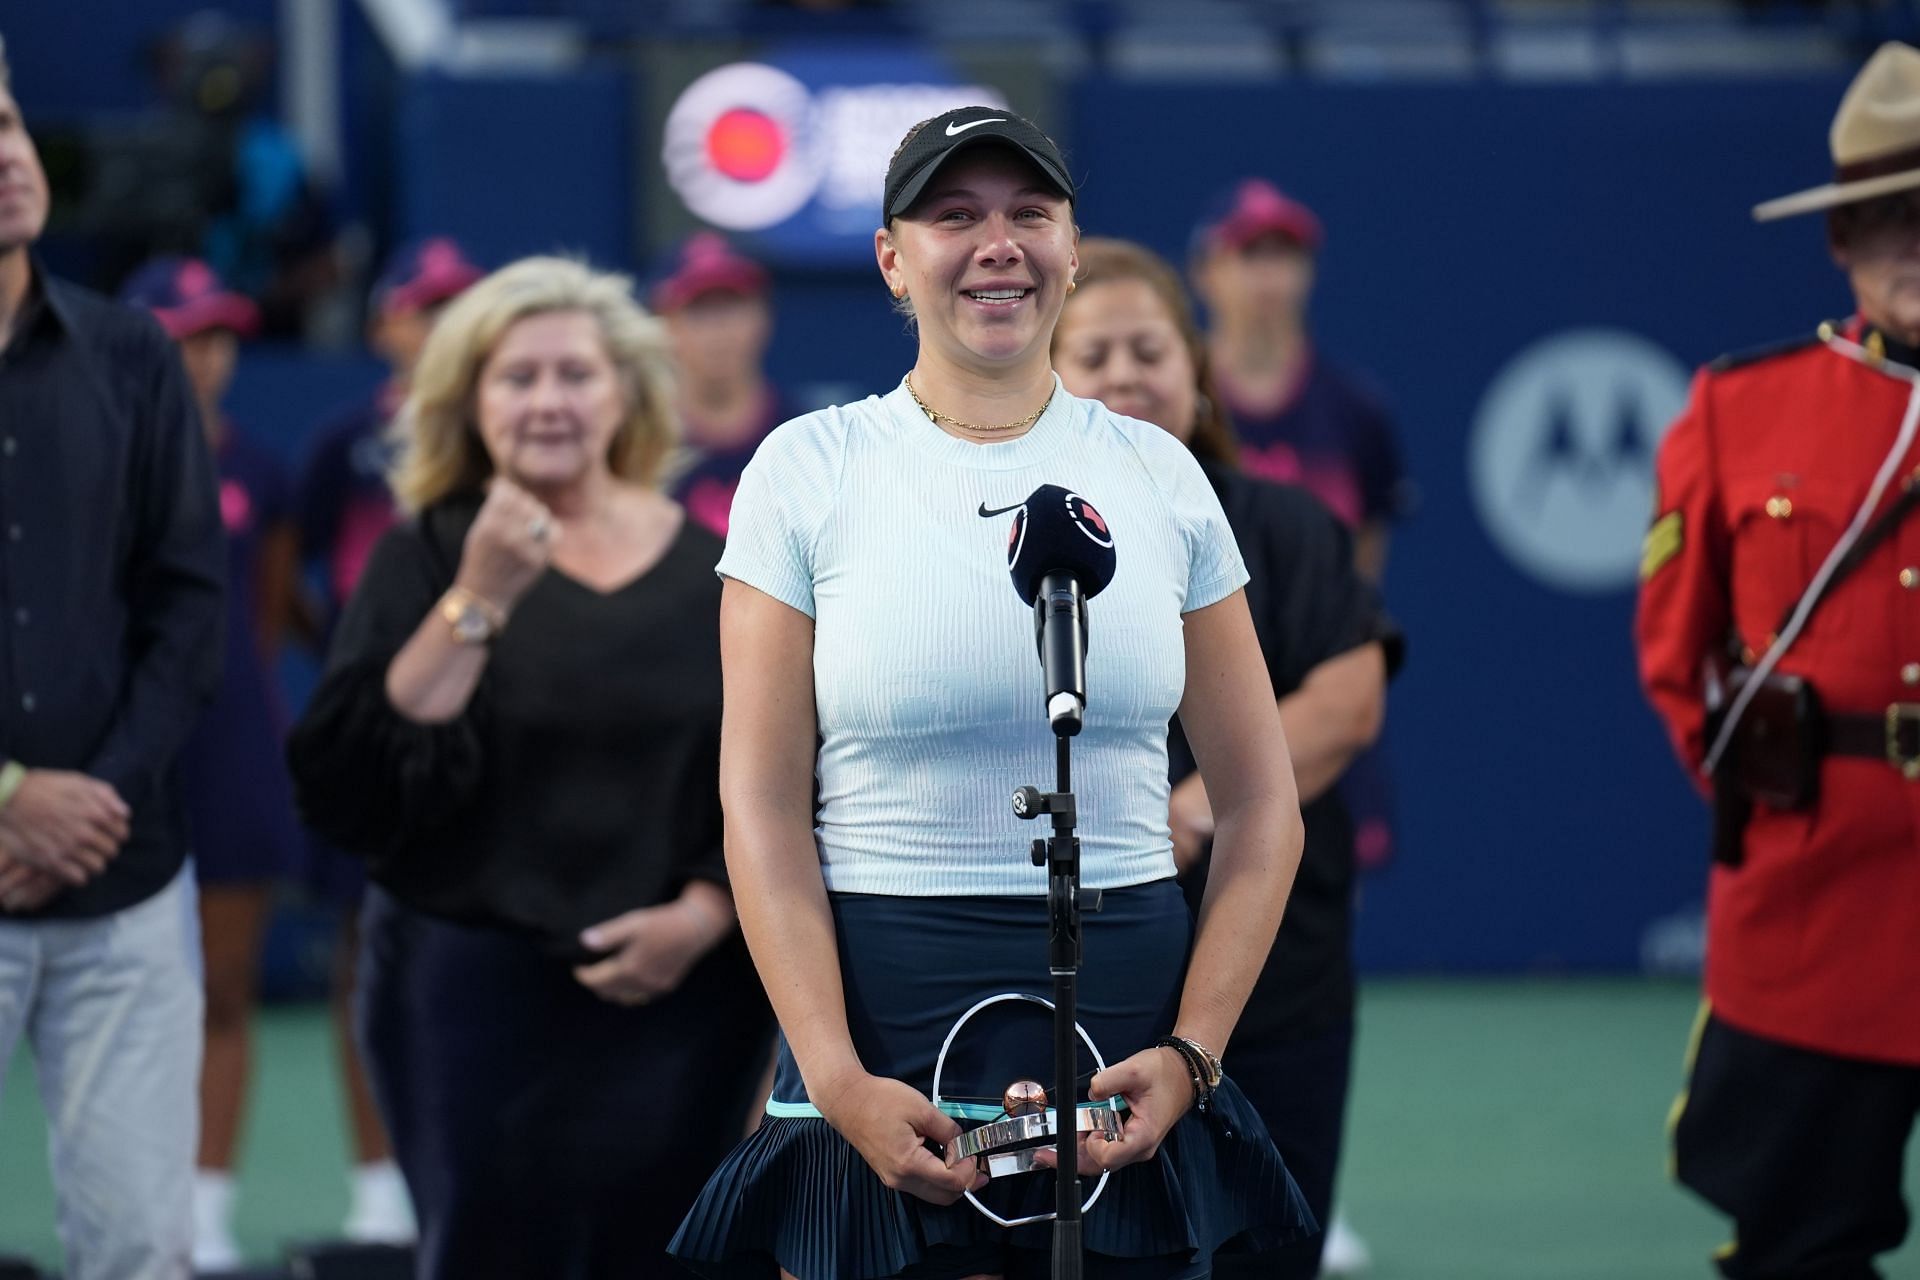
1501 1130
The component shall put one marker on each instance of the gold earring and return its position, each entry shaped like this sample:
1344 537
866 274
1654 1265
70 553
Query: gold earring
1072 285
899 291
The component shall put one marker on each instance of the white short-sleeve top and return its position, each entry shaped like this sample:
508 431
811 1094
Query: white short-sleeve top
928 690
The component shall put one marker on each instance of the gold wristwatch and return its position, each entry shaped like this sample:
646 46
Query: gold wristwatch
474 621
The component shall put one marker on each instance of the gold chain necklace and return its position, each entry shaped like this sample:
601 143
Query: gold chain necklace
939 417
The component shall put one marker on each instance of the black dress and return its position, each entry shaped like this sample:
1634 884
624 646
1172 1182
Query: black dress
1292 1048
543 1131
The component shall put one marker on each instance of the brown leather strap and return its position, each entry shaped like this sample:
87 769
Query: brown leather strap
1892 735
1878 166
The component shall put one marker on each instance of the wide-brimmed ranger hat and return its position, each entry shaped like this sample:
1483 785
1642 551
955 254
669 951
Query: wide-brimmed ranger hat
1875 137
952 132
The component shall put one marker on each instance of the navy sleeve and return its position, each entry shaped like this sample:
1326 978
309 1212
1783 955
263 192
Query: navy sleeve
276 489
1386 494
321 490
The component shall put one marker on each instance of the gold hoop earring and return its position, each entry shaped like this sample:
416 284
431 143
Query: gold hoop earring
899 291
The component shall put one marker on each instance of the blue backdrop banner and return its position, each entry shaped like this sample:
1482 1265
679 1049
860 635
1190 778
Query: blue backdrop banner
1531 273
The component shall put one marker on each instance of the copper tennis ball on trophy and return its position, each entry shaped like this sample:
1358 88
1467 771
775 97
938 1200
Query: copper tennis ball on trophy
1024 1098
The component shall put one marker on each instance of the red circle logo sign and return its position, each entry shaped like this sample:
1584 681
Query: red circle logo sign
737 146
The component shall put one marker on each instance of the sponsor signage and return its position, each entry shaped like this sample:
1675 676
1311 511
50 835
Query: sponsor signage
790 152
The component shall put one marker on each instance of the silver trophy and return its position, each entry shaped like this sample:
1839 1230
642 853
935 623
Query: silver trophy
1009 1142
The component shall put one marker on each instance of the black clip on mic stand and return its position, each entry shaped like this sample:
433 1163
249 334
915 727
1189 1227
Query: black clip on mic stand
1060 854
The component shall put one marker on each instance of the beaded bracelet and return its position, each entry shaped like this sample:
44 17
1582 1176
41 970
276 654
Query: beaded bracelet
1196 1070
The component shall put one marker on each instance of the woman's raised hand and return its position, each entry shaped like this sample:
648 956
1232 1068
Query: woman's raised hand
509 546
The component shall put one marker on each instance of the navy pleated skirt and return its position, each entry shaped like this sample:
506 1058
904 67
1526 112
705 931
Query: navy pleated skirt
798 1195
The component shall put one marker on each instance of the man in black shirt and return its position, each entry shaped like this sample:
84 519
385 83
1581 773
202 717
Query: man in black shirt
110 625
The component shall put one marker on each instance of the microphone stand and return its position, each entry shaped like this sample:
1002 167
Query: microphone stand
1060 854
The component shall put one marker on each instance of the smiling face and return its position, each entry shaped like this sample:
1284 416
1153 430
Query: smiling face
1119 345
23 183
549 401
985 256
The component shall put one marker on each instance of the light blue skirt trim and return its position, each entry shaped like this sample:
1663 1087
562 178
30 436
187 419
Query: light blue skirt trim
958 1110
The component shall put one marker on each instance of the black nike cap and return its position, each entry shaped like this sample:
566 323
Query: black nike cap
946 135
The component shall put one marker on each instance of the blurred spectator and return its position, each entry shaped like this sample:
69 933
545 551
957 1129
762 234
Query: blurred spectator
271 233
1127 338
111 571
719 317
1302 420
208 173
343 501
239 804
519 726
1299 418
344 507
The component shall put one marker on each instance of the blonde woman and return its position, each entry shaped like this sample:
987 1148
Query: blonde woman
519 727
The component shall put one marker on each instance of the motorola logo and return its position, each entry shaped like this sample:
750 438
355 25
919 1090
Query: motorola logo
1560 462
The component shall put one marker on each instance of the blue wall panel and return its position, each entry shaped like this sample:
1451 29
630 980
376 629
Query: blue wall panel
76 58
516 165
1545 823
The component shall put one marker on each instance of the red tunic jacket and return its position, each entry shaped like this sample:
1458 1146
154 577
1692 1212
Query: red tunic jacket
1815 940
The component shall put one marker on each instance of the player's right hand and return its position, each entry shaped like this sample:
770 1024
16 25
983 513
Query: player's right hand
889 1123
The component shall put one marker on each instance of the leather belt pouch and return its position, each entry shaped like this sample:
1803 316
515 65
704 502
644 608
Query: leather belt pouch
1774 758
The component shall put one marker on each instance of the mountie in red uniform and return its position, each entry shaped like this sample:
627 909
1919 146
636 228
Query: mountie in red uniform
1814 940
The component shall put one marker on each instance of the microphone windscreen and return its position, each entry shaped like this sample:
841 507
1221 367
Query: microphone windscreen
1058 531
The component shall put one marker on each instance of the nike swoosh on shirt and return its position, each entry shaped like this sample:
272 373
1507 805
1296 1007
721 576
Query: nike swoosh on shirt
955 127
999 511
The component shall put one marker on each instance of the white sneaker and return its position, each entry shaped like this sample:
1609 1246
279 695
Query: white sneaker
1344 1254
214 1248
381 1212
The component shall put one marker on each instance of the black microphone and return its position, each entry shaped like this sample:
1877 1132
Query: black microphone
1060 555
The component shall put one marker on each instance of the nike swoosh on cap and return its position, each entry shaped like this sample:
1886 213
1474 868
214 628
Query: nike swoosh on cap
954 126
